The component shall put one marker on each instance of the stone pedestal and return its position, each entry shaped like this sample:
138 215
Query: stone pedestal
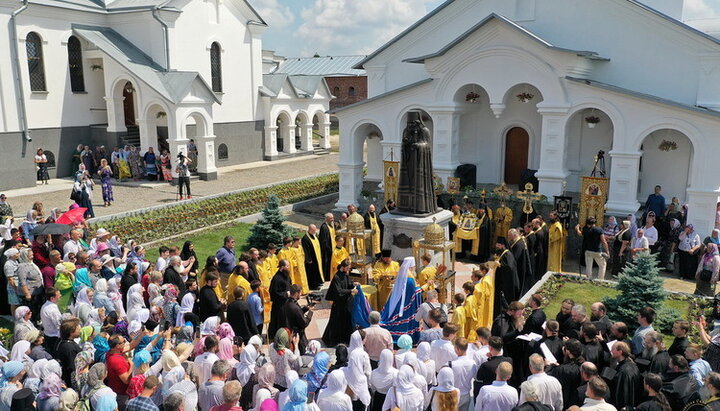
412 227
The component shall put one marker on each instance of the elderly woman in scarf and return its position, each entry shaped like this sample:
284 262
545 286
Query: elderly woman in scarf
68 400
404 395
95 380
12 374
357 344
186 306
405 344
34 376
284 355
23 325
11 265
116 298
319 370
101 299
30 281
382 379
707 271
29 224
226 351
84 304
266 380
135 302
245 367
333 397
170 306
49 397
83 361
357 380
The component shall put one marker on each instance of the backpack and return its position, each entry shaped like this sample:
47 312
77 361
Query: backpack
84 403
443 313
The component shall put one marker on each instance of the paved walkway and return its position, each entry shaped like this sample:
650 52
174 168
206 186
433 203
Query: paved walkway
134 195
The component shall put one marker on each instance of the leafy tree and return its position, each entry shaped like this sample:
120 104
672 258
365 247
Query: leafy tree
271 228
640 285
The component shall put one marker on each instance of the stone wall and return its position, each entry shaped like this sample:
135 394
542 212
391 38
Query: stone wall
343 84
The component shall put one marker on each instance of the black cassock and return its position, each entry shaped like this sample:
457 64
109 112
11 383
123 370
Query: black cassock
522 262
531 245
504 327
569 376
312 265
541 237
326 249
279 286
627 385
485 237
340 323
507 285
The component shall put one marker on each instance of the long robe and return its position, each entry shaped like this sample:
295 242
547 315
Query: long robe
627 385
484 294
327 245
541 248
481 247
522 262
504 327
298 274
556 246
416 191
340 324
374 223
503 220
339 255
279 286
397 324
289 255
507 284
384 277
531 245
313 261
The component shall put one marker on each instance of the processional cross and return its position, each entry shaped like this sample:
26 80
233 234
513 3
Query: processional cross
503 191
528 196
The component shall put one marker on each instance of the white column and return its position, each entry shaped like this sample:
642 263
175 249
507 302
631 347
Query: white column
271 141
115 114
701 209
351 182
624 178
553 143
289 138
325 132
446 142
306 137
206 157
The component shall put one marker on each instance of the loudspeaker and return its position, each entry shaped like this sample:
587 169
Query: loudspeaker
467 174
528 176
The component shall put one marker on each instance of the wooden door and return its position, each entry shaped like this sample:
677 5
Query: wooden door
129 106
517 143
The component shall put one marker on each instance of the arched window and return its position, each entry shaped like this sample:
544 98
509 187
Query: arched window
336 91
216 68
75 63
222 152
351 92
36 67
50 158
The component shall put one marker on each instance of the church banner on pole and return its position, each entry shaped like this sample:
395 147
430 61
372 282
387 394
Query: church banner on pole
593 198
390 179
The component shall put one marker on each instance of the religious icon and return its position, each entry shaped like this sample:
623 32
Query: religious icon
391 171
563 206
593 190
453 185
468 222
593 197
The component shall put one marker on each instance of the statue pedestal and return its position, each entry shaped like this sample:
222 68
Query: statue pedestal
401 231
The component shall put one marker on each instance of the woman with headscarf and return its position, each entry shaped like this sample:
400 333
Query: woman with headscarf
245 368
284 355
82 280
404 344
51 367
83 187
64 280
298 397
445 396
83 361
186 306
84 304
210 326
30 281
141 364
268 405
707 271
12 262
34 375
116 298
341 359
318 373
404 395
262 396
357 381
49 397
357 343
20 352
29 224
170 307
23 325
95 381
266 380
398 315
334 397
188 250
135 301
136 163
284 396
225 351
688 246
423 355
37 350
101 299
620 252
107 403
382 379
68 400
418 370
12 374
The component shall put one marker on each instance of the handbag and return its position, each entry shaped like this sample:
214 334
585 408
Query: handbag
429 407
706 275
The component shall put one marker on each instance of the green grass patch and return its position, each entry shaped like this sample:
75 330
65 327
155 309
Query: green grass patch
209 242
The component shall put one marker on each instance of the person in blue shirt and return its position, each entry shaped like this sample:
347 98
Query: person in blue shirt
256 305
655 202
226 255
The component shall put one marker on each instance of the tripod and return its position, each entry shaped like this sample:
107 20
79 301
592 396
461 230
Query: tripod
599 166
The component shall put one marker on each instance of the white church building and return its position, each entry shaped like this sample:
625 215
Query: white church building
153 73
509 85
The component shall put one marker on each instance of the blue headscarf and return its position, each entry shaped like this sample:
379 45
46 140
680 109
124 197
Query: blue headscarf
82 280
298 396
10 369
320 368
405 342
107 403
360 310
141 357
101 348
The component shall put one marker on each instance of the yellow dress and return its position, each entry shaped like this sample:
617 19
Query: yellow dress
484 296
471 311
556 247
298 275
236 280
384 277
376 246
459 320
340 254
503 219
267 304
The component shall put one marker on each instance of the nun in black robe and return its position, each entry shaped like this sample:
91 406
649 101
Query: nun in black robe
522 262
507 284
341 294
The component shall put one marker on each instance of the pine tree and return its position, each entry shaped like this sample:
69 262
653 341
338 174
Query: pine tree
640 285
271 228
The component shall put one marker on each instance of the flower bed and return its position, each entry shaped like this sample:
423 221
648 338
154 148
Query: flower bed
160 223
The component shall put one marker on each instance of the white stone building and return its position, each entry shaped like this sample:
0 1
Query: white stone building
633 65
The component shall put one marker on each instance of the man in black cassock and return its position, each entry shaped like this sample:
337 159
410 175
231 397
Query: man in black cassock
627 383
543 239
507 284
341 293
522 260
531 245
327 239
485 230
508 326
279 288
313 261
297 318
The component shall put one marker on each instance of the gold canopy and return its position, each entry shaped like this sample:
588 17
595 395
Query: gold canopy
434 233
355 223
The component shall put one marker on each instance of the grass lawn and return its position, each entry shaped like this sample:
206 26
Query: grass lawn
209 242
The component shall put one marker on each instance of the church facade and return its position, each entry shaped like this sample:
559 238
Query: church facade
509 85
151 73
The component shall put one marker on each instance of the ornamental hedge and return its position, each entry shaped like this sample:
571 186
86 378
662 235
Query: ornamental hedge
160 223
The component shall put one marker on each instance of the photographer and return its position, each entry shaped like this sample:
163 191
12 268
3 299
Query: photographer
297 318
183 171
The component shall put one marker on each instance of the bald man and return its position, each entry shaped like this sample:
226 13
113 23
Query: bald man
313 258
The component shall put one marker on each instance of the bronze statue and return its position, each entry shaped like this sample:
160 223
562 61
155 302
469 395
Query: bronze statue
416 193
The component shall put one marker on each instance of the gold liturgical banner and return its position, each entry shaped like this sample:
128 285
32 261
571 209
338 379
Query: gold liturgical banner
391 175
593 198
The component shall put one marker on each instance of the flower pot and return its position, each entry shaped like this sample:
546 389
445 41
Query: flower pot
591 125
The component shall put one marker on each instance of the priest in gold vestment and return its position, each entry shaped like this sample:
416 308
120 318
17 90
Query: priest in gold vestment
503 220
556 243
374 223
340 254
384 272
298 266
484 293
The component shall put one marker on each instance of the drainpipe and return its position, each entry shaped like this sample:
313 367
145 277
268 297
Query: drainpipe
18 77
166 33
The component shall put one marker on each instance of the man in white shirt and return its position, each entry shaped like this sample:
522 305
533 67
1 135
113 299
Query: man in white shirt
162 261
442 351
204 362
499 396
639 244
464 369
596 390
73 245
651 232
549 388
479 351
376 339
423 313
51 319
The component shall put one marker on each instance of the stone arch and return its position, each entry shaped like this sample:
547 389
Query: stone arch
285 126
200 123
303 131
369 136
155 129
507 133
321 128
128 101
223 153
585 139
661 146
401 121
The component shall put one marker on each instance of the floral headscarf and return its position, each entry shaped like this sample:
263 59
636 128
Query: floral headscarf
315 377
171 293
51 387
225 331
20 314
83 360
210 326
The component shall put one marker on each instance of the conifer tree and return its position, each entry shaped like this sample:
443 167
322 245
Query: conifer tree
271 228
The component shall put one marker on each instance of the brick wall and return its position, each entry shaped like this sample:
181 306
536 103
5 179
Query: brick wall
340 87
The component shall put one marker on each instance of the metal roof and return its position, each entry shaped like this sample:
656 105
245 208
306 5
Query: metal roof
496 17
301 86
332 66
172 85
108 7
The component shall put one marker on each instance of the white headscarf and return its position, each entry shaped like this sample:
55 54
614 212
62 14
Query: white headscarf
210 325
332 397
423 356
261 395
355 342
412 360
446 380
404 383
355 376
82 298
52 366
135 301
171 378
398 293
101 286
186 306
383 377
246 366
37 368
19 351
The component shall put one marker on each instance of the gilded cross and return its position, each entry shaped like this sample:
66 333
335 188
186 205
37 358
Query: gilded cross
528 196
503 191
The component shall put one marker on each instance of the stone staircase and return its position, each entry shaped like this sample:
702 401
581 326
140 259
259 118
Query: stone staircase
132 136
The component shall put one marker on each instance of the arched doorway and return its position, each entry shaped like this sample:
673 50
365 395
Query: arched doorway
283 128
517 145
156 133
588 131
195 129
302 132
369 139
129 104
660 149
